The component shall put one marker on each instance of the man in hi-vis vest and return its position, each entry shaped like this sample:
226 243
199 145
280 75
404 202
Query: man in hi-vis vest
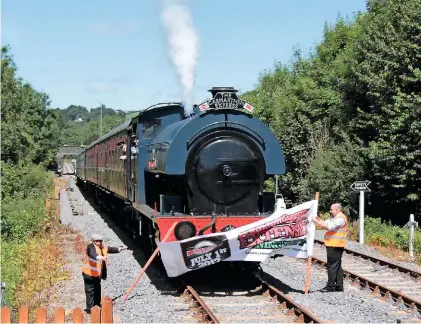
95 268
335 241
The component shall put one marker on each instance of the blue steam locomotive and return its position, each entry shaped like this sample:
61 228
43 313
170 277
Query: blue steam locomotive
205 170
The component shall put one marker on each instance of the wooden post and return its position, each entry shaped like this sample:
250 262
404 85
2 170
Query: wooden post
59 315
23 314
95 314
307 285
148 263
41 315
5 315
77 315
106 310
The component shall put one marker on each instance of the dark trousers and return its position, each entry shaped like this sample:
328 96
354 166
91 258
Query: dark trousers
92 291
334 267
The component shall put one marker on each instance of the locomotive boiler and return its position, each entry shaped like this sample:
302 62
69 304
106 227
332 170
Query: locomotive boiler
205 171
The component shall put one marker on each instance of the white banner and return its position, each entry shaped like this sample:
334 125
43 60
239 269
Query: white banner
289 232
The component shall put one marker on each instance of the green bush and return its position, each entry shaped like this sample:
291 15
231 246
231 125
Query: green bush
22 218
23 181
385 234
11 267
23 193
24 189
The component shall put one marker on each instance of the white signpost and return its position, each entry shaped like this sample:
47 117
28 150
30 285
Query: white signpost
361 186
411 224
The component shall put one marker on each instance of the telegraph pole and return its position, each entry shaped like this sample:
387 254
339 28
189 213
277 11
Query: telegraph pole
100 134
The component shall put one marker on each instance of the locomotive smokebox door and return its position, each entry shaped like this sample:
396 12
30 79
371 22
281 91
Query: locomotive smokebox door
225 170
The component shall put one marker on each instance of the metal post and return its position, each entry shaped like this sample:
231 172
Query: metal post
361 217
279 199
411 236
101 120
276 185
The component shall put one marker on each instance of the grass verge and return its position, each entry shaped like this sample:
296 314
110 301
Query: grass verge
32 264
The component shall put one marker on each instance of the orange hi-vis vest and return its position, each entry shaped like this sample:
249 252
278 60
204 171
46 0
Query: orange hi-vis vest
337 238
93 267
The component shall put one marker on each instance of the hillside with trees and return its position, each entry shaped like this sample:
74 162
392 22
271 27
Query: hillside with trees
82 126
351 111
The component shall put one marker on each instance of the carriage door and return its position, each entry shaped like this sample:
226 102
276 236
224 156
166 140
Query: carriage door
132 163
107 153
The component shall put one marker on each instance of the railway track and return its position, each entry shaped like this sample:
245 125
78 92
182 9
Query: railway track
263 304
68 168
381 262
216 299
383 278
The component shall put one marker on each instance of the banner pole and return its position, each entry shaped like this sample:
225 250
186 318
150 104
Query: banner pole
309 259
146 266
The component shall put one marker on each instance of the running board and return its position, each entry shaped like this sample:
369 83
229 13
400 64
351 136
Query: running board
145 210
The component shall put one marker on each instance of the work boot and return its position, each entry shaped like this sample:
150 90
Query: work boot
327 289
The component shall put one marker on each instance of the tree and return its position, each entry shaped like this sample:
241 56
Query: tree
305 98
74 112
29 130
385 87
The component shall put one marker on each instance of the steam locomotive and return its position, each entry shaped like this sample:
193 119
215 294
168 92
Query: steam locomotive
205 170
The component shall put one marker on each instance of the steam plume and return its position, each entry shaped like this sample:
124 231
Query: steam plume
183 43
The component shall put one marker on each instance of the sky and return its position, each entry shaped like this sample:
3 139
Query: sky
115 52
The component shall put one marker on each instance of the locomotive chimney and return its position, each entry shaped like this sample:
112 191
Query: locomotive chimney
215 90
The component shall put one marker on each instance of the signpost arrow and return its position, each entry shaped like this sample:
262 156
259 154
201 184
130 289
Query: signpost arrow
361 186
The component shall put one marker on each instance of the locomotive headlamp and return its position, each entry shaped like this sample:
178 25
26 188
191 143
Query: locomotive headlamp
184 230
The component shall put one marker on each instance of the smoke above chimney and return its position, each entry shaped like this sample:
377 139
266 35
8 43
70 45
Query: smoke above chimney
183 47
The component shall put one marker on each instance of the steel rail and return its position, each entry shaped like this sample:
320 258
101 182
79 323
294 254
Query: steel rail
205 312
413 273
385 292
302 313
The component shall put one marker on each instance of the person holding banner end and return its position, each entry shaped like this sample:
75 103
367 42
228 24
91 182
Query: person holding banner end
335 241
